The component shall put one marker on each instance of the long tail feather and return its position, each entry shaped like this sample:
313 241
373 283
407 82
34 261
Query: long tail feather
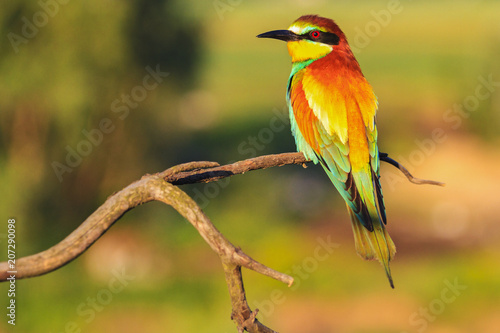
376 244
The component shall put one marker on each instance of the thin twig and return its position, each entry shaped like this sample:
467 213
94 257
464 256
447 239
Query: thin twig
385 157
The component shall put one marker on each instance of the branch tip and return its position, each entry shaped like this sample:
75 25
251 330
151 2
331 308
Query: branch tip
385 157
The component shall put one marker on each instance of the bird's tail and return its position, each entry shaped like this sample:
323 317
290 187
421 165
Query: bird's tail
376 244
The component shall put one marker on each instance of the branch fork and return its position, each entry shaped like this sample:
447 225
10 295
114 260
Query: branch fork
162 187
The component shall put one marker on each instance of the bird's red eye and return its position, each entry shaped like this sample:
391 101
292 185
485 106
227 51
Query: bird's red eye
315 34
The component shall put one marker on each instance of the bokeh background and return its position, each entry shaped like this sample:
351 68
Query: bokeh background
65 67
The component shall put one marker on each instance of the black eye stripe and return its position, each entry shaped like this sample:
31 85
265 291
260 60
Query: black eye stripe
324 37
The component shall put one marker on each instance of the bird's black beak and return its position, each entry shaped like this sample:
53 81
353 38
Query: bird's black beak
286 35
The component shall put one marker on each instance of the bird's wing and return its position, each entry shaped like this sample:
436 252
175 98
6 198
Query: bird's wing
321 114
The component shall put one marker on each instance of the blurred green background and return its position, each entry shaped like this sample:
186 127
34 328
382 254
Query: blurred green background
64 68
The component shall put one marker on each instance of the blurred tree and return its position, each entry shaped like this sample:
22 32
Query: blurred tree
73 68
159 35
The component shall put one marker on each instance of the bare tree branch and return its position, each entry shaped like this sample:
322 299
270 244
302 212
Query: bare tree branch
161 187
206 172
217 172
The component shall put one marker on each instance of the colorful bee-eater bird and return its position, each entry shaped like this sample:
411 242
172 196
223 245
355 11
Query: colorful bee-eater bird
332 113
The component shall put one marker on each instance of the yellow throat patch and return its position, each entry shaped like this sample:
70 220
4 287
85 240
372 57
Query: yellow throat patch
305 50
